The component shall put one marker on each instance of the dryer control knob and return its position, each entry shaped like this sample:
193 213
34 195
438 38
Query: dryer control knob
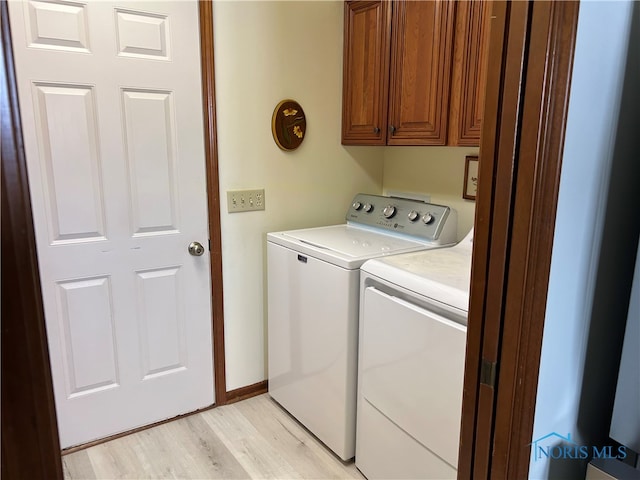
357 205
413 215
368 207
427 218
389 211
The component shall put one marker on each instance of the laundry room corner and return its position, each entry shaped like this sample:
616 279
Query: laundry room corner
266 52
434 171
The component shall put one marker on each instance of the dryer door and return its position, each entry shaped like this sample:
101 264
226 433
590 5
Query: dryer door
412 370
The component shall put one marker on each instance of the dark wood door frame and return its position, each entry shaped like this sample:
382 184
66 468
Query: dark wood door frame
531 59
30 446
213 193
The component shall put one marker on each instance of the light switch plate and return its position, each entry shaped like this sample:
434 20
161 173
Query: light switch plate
245 200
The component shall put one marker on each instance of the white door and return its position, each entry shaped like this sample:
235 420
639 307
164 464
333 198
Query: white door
110 97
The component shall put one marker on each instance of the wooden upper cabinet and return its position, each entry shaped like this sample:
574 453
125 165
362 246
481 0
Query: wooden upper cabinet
469 76
367 40
421 53
414 72
397 69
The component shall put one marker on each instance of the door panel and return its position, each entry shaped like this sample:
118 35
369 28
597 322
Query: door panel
89 347
115 155
151 158
142 34
161 321
57 26
70 155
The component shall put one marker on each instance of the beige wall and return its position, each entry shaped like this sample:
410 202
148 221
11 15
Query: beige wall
437 171
264 52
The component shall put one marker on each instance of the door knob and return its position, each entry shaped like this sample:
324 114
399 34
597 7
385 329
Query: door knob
196 249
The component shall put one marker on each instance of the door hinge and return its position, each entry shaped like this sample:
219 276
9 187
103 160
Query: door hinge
488 373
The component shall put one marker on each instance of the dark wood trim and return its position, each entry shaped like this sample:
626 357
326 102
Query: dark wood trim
546 101
30 445
531 58
213 189
477 403
249 391
501 196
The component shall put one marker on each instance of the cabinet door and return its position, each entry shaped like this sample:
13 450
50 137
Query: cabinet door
367 36
471 42
420 72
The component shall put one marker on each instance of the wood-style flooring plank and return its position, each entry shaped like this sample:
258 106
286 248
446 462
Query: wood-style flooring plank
297 446
205 454
79 467
120 458
256 455
251 439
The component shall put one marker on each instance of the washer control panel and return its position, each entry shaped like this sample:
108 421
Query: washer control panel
427 221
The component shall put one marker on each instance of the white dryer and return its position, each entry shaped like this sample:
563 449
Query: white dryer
413 319
313 300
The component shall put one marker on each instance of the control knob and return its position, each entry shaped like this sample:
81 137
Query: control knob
368 207
413 215
389 211
357 205
427 218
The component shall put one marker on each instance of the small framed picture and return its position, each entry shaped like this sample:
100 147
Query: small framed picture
470 177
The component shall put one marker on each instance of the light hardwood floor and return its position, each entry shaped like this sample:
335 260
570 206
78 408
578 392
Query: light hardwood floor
253 438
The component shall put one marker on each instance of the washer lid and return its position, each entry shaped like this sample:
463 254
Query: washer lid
345 245
442 274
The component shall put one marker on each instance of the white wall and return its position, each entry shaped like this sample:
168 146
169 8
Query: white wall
436 171
267 51
596 90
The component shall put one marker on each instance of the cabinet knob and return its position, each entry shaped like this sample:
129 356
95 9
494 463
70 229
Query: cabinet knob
376 130
392 129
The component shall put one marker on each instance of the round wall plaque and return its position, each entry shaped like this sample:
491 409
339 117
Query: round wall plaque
288 125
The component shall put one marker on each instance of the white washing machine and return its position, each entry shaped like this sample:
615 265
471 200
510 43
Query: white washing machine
313 301
413 328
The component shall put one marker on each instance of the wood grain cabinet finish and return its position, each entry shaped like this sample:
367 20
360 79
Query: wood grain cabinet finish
414 72
421 53
367 41
469 75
